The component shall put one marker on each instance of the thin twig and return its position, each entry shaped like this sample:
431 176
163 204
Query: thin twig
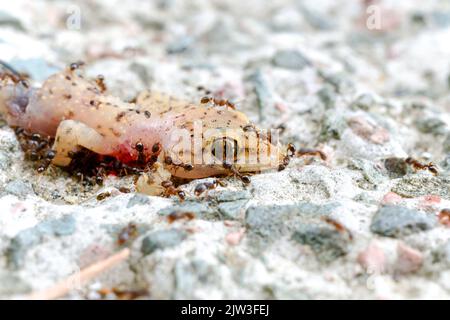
63 287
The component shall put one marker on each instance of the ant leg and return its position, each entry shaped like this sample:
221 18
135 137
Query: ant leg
74 134
153 183
311 152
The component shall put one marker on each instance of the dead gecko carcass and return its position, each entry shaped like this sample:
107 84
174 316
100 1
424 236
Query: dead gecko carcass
177 138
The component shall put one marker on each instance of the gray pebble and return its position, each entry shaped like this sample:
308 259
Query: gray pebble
64 226
333 125
397 221
432 125
200 209
326 242
446 144
233 195
8 20
416 185
28 238
274 221
19 188
263 94
180 45
12 284
446 253
363 102
396 167
232 210
162 239
138 199
290 59
327 96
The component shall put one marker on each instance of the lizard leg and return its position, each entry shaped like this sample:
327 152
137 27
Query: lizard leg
74 134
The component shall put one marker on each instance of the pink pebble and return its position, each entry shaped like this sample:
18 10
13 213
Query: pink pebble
372 259
429 202
408 259
391 198
234 238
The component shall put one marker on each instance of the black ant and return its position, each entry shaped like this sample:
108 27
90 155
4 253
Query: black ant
202 187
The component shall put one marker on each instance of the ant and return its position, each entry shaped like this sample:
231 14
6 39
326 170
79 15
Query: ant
177 215
139 146
171 190
444 217
127 233
311 152
103 195
338 226
204 186
290 152
218 102
186 166
100 81
245 179
421 166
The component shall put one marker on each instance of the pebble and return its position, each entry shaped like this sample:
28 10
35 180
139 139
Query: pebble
373 259
263 94
8 20
432 125
368 131
391 198
12 284
446 144
234 238
180 45
397 221
162 239
28 238
408 259
233 210
201 210
333 125
422 184
138 199
232 195
446 253
19 188
396 167
325 240
290 59
363 102
274 221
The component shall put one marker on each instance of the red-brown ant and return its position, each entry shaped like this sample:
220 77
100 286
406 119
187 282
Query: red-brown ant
177 215
338 226
421 166
218 102
127 233
444 217
171 190
204 186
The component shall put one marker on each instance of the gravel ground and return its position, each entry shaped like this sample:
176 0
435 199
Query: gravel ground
361 225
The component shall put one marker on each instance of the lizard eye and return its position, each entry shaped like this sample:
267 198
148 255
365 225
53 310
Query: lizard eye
225 149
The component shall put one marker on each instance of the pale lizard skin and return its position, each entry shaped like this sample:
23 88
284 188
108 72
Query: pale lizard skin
79 112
